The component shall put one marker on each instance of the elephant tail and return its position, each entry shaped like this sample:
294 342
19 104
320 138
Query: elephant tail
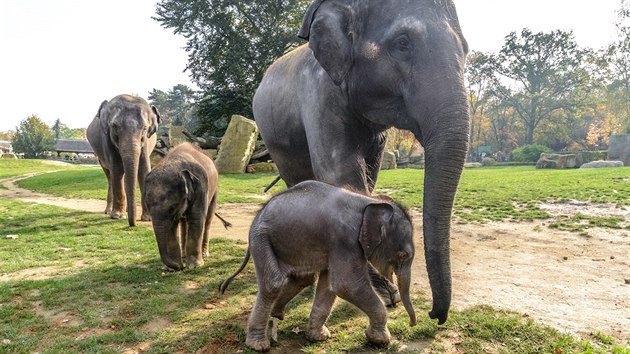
273 183
227 281
226 223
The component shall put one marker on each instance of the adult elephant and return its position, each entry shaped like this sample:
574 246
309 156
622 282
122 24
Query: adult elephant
122 135
323 109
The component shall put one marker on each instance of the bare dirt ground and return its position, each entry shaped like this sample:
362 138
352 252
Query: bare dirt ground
577 284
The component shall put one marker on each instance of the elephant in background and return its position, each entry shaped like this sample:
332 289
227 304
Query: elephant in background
322 109
317 230
122 136
181 193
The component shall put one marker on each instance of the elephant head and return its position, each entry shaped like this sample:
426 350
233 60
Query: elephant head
129 122
169 194
401 63
386 237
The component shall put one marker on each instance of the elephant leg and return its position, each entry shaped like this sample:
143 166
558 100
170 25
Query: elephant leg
144 167
108 208
294 285
173 246
206 231
119 198
322 305
373 155
195 229
362 295
271 281
183 235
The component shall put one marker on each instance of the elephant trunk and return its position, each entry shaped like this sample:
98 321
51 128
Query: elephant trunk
446 146
131 158
165 235
404 284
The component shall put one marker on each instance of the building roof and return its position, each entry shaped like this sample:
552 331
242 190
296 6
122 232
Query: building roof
5 145
74 145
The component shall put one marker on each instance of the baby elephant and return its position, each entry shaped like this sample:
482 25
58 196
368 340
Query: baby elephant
314 229
181 192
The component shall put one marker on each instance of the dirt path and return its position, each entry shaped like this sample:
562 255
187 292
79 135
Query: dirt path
571 282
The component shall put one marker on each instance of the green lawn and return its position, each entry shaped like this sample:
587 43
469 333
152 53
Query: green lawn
12 167
487 194
77 282
90 183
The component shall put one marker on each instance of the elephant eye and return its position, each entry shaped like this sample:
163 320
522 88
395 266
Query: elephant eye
402 44
402 255
401 47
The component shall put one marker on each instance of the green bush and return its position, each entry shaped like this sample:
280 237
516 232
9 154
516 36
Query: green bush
530 152
488 161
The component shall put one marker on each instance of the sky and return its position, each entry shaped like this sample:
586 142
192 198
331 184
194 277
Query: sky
59 59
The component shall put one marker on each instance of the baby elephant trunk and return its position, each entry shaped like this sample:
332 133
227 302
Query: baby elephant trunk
166 237
404 281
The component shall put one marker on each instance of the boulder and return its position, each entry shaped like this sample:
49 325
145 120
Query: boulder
211 153
619 148
472 165
176 136
237 145
602 164
389 161
262 167
9 155
556 161
488 161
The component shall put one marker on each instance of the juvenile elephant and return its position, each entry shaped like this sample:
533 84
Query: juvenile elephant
181 193
122 136
323 108
315 229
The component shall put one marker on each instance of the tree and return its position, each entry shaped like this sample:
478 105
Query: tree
540 74
176 106
479 79
57 128
230 43
33 137
617 55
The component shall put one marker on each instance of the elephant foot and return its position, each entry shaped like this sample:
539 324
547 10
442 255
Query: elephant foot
206 253
118 215
145 217
257 344
107 211
272 329
194 262
378 336
317 335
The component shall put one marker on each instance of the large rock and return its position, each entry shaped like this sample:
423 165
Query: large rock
237 145
556 161
176 136
472 165
262 167
389 161
619 148
9 155
602 164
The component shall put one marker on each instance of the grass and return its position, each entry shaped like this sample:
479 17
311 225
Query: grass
90 183
79 282
488 194
12 167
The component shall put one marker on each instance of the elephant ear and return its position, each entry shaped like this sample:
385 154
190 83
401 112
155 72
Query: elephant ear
102 120
376 217
154 122
326 26
190 182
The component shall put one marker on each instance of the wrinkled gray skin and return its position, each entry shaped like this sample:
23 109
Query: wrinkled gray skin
317 230
122 135
181 193
322 109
